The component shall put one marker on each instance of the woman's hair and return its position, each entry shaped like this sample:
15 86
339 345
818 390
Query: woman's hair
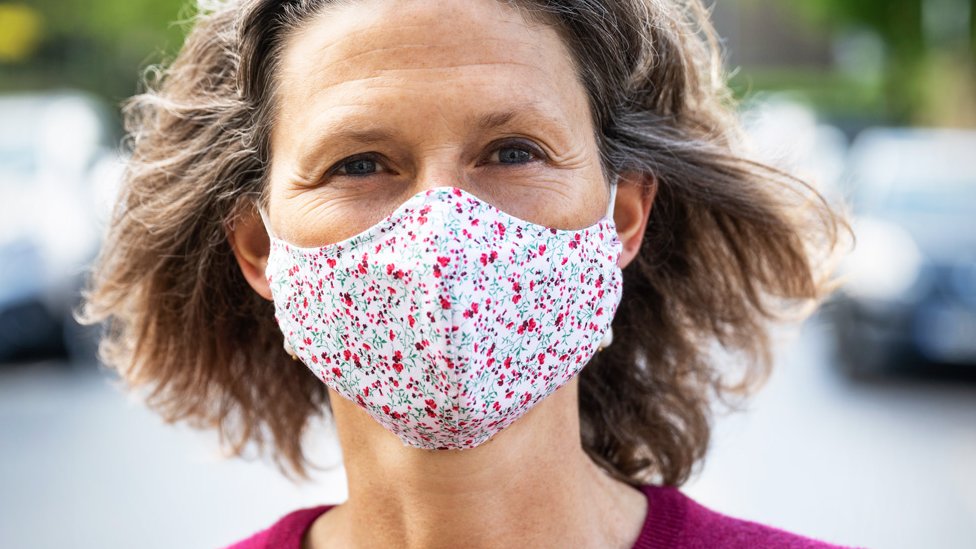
730 244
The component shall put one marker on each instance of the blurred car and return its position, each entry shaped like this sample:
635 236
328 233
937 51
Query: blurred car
909 297
57 165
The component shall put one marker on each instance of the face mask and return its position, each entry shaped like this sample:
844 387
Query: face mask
449 319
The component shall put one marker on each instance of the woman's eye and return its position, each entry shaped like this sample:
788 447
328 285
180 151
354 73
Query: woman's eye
514 154
357 166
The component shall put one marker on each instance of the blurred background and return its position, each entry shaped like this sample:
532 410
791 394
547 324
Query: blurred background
865 434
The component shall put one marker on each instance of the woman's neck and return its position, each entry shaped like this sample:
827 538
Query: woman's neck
531 485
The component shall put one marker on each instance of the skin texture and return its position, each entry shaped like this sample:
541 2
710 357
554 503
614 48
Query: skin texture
421 77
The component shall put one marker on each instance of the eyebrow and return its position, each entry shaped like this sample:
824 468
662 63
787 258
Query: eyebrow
485 121
495 119
366 137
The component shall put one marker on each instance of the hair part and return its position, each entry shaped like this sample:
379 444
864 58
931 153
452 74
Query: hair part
730 245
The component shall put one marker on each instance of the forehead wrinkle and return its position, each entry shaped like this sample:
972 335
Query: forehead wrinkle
460 66
313 32
324 78
443 44
310 29
449 46
328 72
381 80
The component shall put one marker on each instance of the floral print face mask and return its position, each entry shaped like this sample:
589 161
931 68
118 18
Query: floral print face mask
449 319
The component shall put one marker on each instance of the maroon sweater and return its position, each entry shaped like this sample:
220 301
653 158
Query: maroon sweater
674 521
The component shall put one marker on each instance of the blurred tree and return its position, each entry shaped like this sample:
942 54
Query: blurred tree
20 30
97 46
913 34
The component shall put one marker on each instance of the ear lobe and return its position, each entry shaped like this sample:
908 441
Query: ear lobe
251 245
631 210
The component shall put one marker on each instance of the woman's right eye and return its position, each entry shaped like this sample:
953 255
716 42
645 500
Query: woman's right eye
357 166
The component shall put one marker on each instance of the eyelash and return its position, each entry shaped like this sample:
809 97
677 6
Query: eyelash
532 149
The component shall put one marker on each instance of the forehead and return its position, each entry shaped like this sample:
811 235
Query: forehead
440 56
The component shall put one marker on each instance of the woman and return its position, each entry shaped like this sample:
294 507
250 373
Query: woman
499 237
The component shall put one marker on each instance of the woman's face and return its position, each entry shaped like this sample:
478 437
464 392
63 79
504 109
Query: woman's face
381 99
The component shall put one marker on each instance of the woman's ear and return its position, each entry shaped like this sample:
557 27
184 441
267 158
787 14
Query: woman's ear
635 196
249 240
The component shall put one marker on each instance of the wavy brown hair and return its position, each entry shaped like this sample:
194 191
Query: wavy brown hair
731 243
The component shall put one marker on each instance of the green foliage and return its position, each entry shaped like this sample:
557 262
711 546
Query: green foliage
909 51
19 31
834 94
898 22
97 46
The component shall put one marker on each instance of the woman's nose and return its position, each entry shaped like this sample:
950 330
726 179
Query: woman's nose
442 169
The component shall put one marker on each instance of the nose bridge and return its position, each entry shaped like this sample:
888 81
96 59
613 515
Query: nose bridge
440 154
439 167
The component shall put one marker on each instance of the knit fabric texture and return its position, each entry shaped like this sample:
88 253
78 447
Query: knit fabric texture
674 521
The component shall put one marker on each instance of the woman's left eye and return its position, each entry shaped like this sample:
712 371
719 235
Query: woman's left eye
516 153
357 166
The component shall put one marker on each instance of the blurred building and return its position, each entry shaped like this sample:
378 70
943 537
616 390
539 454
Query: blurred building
785 41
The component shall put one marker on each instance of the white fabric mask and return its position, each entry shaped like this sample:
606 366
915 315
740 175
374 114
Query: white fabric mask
449 319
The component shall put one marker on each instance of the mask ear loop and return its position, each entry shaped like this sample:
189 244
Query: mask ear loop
267 227
264 219
608 335
613 198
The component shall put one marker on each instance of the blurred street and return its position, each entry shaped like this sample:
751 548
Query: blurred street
887 464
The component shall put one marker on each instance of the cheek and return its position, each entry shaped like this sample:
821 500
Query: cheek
594 196
576 196
569 201
308 218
